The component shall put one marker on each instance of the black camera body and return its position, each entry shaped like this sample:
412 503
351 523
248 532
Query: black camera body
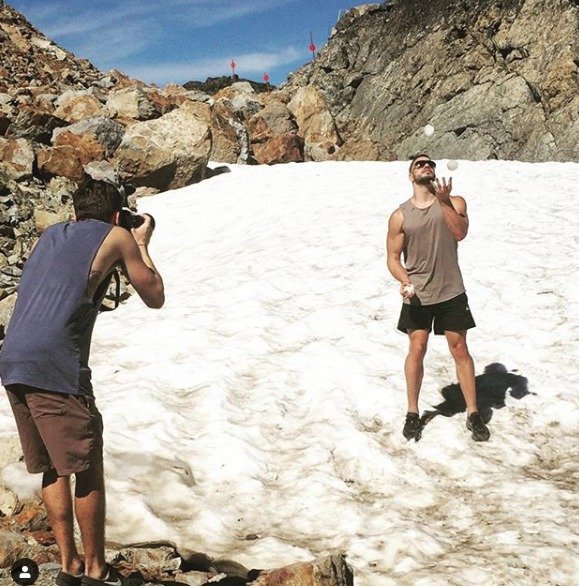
128 219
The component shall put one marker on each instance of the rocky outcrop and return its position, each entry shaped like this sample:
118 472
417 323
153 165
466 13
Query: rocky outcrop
494 79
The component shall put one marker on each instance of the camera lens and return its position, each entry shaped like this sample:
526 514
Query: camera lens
137 220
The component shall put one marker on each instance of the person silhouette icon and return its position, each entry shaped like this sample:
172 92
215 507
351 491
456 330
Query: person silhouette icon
25 572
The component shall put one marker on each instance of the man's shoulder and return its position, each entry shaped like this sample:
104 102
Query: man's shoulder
398 210
116 237
396 219
459 203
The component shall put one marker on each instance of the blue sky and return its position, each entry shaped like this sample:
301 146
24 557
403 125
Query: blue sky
180 40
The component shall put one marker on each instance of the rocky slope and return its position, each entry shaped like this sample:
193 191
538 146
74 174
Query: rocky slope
495 78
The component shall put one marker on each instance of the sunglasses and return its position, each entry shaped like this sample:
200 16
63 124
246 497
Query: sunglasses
420 164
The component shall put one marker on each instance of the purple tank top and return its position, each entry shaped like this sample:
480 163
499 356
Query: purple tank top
47 342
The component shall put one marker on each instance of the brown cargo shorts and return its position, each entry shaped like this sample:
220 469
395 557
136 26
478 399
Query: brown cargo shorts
57 431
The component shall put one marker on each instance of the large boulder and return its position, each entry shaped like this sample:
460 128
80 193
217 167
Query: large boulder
316 123
241 98
274 118
281 148
363 150
87 146
169 152
325 571
35 125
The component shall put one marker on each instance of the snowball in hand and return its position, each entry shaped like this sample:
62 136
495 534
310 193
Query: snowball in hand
452 165
429 130
409 290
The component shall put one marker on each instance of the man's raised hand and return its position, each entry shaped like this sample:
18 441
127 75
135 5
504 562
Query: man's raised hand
442 189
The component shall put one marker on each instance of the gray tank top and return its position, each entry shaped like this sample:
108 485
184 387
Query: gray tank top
48 338
430 255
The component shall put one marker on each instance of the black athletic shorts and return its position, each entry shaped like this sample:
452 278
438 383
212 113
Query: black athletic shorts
453 315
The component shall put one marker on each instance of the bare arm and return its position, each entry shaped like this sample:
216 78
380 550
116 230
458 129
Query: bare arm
394 246
138 265
453 208
131 252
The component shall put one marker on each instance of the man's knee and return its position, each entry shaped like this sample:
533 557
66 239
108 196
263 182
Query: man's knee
459 350
417 348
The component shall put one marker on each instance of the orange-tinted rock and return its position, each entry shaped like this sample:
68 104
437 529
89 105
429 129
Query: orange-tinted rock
282 148
61 160
327 571
87 146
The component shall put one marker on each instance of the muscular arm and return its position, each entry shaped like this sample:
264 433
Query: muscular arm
453 208
455 217
138 266
394 246
132 253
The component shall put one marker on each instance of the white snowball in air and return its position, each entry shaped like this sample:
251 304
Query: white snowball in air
429 130
452 165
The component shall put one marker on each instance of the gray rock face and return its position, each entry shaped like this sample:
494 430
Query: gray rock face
494 79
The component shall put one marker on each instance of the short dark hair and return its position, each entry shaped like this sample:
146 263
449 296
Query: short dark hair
414 157
98 200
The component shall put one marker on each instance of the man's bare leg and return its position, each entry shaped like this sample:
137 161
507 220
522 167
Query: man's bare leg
58 502
90 513
464 367
414 366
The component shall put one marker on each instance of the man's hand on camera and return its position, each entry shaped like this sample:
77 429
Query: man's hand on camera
142 234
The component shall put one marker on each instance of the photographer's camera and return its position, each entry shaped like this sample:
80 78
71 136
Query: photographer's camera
129 220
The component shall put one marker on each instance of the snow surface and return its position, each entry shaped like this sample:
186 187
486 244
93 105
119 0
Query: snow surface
258 415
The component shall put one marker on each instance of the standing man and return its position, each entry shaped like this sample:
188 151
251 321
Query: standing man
44 366
426 229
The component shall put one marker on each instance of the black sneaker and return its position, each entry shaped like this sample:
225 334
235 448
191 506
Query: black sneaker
411 426
64 579
474 423
113 578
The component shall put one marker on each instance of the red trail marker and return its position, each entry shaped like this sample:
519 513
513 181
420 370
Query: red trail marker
312 47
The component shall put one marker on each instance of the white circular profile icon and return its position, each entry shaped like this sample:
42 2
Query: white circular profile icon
24 572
